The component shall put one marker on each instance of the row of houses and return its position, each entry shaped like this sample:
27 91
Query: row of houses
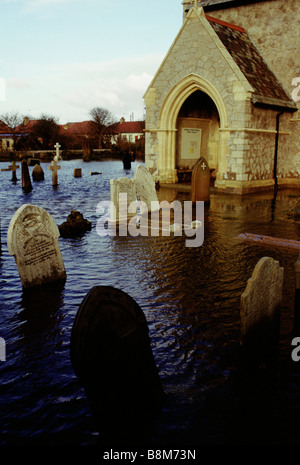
131 131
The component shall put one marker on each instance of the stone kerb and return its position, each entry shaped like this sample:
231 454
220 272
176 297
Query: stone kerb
32 238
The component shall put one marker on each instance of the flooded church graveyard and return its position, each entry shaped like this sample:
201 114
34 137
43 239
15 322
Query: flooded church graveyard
154 302
206 332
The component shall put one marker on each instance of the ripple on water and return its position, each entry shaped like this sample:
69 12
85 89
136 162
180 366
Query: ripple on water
190 297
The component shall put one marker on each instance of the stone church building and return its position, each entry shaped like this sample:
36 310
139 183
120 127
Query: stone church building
224 91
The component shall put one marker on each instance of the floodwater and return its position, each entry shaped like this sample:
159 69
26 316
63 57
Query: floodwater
190 297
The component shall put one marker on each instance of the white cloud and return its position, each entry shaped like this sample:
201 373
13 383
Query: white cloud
69 91
16 83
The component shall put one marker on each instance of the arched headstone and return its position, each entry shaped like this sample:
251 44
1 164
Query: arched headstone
260 314
201 181
38 173
32 237
111 354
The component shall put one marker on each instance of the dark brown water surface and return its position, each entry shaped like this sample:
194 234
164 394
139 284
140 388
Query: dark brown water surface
190 297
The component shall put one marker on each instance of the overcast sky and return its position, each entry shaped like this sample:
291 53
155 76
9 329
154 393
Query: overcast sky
64 57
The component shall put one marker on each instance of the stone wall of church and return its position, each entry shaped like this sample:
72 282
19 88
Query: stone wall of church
202 57
273 26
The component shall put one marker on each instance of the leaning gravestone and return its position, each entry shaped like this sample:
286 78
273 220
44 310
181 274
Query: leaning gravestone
32 238
201 181
111 355
26 181
145 189
260 314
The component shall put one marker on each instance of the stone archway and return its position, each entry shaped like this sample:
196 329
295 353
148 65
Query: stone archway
198 135
168 126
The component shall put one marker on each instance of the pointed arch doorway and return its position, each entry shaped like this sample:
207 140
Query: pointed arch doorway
198 135
193 104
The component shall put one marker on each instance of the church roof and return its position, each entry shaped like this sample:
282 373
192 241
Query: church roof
267 89
209 5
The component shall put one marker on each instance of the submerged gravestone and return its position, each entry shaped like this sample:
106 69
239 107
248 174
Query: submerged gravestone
26 181
111 355
75 226
32 238
77 172
38 173
122 194
127 161
201 181
260 314
54 168
145 189
13 168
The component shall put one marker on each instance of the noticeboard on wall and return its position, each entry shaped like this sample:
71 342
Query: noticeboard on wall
190 143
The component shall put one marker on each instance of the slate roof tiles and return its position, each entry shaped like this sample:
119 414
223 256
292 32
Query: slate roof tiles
267 89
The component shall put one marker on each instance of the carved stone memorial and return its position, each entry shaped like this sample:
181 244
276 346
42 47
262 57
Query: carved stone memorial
145 189
260 313
112 357
32 238
122 194
201 181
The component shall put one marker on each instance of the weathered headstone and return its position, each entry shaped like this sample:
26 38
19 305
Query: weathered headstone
26 181
260 313
77 172
145 189
32 238
122 194
201 181
38 173
111 355
54 167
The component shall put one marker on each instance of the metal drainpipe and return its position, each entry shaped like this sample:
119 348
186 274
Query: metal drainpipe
276 151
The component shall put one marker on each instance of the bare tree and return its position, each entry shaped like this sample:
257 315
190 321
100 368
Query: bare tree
46 130
103 122
14 122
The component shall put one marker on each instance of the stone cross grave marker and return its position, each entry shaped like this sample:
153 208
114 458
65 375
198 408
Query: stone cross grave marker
13 167
145 189
32 238
260 312
201 181
57 147
54 167
111 355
